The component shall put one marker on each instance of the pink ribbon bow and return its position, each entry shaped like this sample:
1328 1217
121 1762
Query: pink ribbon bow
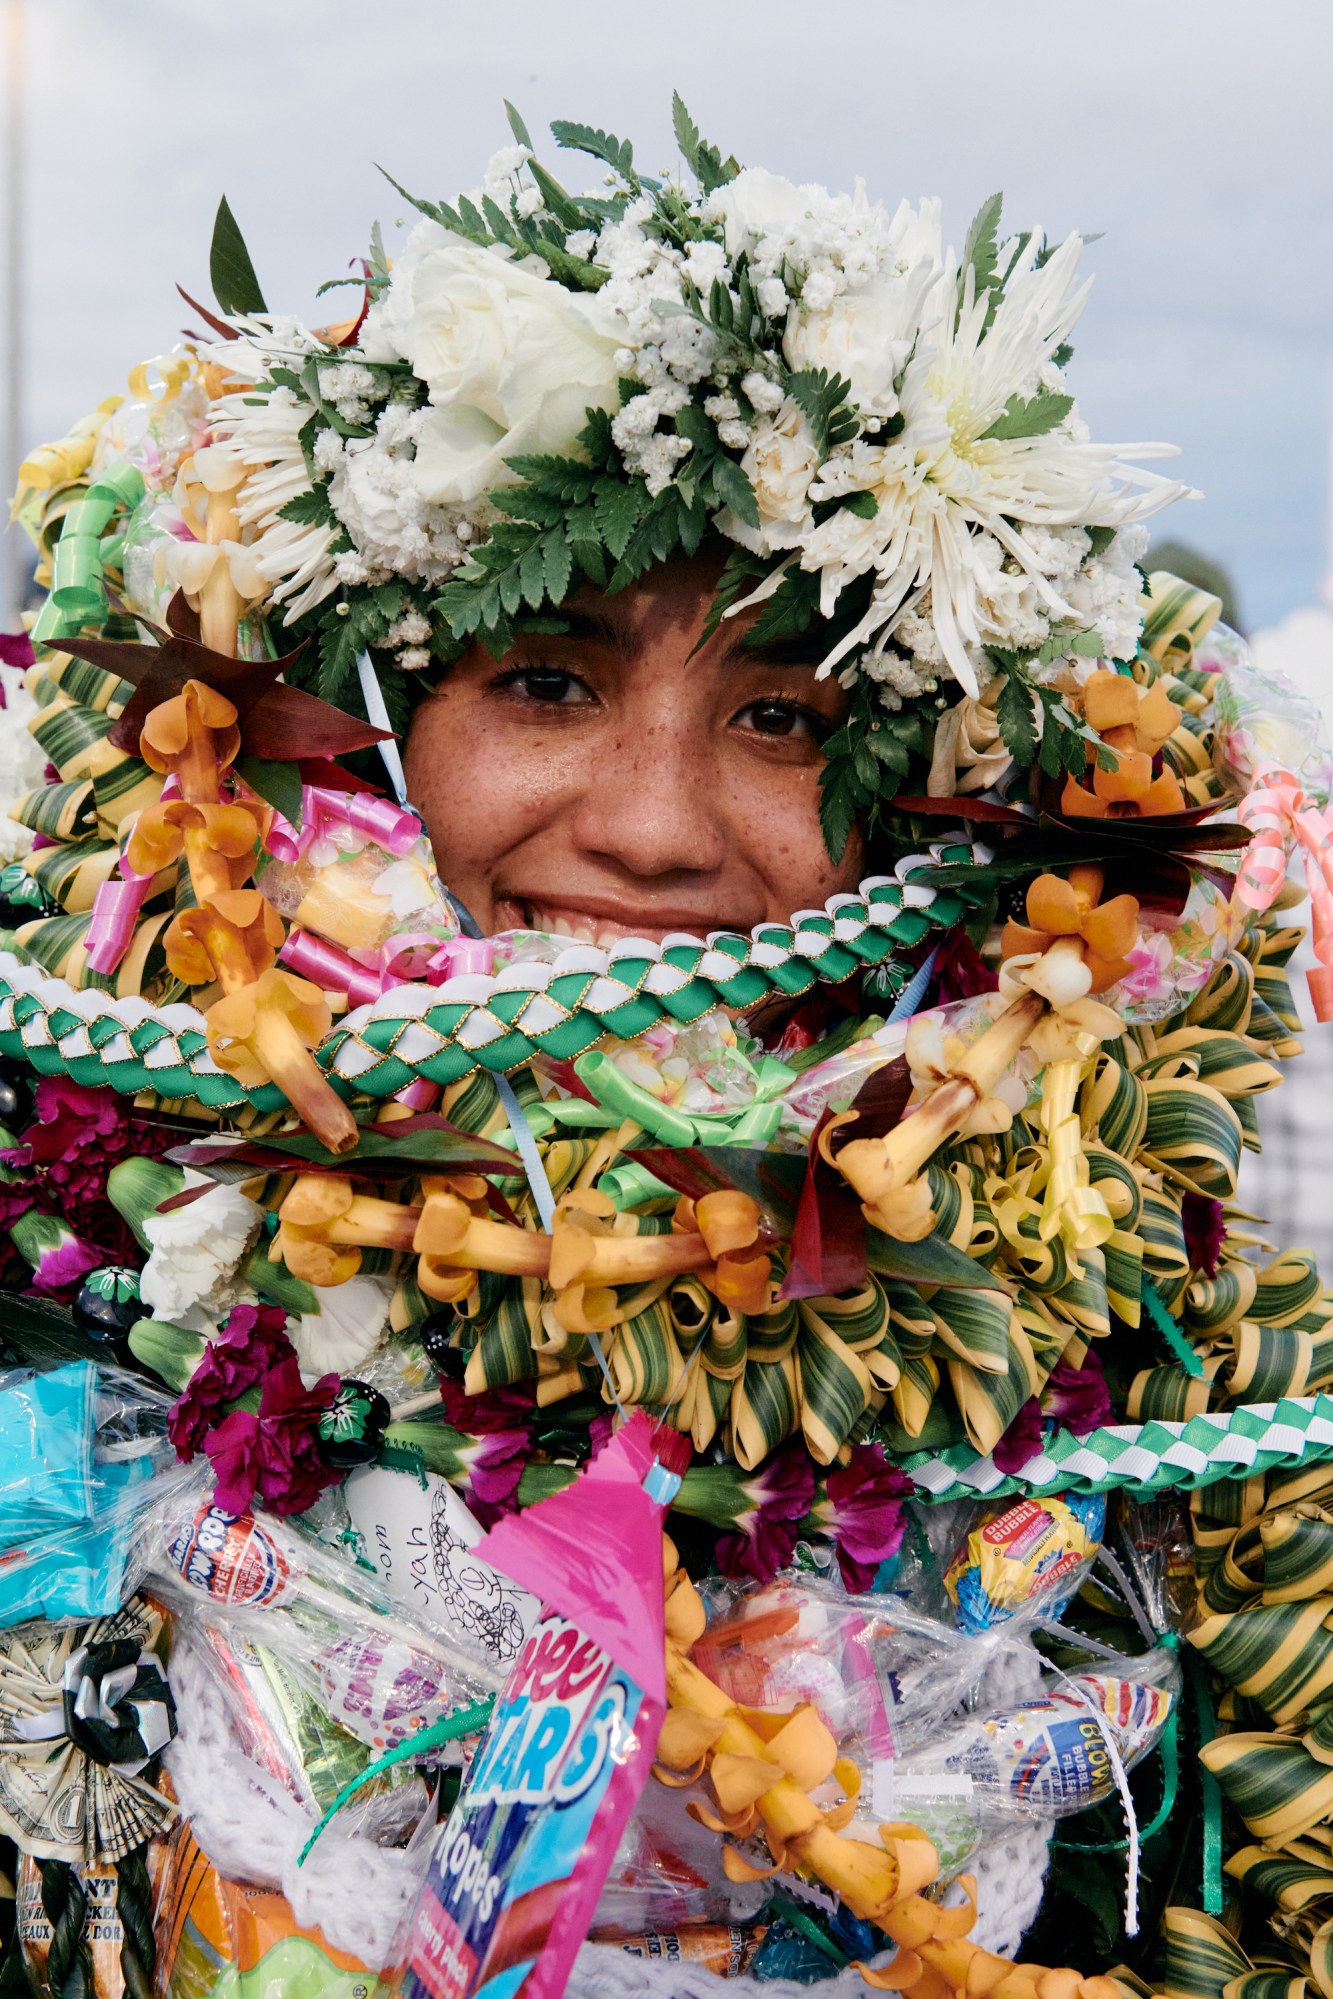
1279 814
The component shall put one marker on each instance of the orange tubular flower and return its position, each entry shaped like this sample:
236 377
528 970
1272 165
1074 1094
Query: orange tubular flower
763 1767
1073 908
1134 722
218 842
264 1032
324 1224
194 737
453 1241
232 938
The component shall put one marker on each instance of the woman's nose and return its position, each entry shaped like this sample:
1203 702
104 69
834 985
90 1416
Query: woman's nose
654 806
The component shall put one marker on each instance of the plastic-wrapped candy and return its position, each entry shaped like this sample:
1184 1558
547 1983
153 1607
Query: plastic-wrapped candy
357 882
1050 1754
1036 1549
85 1468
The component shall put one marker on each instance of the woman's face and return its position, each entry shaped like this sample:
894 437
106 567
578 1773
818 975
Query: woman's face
605 783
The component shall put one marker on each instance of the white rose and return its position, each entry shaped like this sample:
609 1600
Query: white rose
865 336
197 1252
781 461
511 360
758 203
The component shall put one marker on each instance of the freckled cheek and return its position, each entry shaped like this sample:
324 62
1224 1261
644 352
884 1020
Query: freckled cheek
483 787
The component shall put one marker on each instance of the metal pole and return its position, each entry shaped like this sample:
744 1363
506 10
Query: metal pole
15 567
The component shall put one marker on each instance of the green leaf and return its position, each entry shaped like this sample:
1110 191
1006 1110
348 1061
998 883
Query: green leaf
279 783
734 490
1088 645
1017 719
312 509
981 248
687 132
517 127
617 153
455 1151
574 272
235 286
562 207
864 505
824 400
437 211
1099 539
705 162
618 504
1032 418
559 564
839 803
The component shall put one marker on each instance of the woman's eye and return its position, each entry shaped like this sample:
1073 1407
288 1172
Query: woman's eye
551 685
780 718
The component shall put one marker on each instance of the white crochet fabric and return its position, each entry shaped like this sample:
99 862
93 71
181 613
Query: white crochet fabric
357 1894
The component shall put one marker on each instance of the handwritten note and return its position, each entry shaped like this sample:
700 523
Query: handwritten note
422 1540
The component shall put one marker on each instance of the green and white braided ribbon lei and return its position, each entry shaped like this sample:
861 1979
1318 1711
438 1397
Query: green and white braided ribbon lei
492 1022
1151 1457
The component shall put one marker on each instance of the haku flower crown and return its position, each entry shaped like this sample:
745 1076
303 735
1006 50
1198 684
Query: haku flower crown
547 389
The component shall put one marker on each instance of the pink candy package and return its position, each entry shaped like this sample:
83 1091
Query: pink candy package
517 1870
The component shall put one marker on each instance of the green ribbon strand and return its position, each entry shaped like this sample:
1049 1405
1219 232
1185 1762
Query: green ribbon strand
1210 1790
463 1721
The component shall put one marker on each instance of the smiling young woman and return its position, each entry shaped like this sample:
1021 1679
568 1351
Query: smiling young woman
623 779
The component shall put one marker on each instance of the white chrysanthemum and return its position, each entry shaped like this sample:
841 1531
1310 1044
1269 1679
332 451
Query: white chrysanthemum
943 480
260 428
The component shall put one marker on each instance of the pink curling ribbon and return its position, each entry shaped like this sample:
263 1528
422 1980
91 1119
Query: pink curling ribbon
401 958
116 908
345 819
461 954
363 975
1277 811
330 968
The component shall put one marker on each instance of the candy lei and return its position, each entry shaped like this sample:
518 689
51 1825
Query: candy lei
478 1022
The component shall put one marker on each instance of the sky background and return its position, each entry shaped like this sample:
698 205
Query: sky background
1196 136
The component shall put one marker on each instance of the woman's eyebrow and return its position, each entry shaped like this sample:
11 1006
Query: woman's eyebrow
799 650
595 628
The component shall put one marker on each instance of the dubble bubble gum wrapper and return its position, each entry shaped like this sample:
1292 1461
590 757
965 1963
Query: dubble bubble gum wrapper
517 1870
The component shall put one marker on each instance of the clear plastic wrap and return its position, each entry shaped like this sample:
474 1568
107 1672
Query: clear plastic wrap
264 1585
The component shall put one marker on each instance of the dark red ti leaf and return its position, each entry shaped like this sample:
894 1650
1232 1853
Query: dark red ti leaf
828 1241
278 723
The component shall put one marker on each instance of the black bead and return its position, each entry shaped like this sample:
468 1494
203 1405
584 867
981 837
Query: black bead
109 1305
16 1101
351 1433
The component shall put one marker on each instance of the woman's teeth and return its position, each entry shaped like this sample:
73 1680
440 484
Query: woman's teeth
582 929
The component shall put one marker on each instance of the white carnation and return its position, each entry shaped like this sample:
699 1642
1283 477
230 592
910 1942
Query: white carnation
198 1252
